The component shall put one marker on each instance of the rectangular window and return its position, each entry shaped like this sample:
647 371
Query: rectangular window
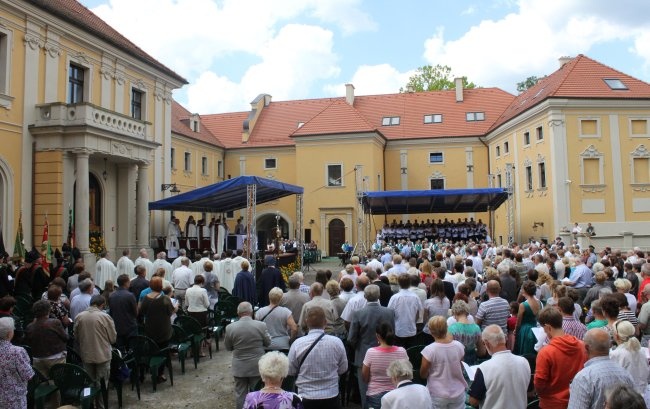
436 157
541 167
498 151
526 138
475 116
334 175
188 161
499 181
589 127
270 163
641 170
437 184
506 147
529 178
230 214
75 84
433 119
136 103
591 171
390 121
5 52
204 165
540 133
615 83
639 127
220 169
172 158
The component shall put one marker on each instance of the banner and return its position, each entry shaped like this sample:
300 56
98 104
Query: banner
46 249
19 244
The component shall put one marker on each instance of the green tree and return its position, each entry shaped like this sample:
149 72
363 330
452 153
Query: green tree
528 83
433 78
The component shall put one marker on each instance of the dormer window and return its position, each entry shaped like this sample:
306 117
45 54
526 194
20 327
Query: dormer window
300 124
615 83
433 119
475 116
195 123
390 121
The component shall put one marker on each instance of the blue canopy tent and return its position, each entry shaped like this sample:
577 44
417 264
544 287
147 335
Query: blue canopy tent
433 201
233 194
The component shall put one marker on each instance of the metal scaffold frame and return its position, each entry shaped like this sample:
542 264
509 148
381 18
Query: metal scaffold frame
510 202
251 215
299 231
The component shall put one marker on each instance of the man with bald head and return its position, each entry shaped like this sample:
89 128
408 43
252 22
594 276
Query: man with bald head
599 375
495 310
317 300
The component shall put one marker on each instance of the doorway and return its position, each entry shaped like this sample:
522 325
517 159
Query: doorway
336 229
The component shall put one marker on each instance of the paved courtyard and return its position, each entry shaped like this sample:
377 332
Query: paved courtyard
209 386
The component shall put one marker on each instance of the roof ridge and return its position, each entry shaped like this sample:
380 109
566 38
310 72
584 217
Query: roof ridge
358 117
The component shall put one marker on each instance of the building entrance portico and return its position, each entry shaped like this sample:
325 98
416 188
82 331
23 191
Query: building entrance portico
100 169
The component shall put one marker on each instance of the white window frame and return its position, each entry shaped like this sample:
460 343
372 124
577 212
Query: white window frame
641 152
528 177
506 148
204 166
275 163
81 61
6 46
442 155
589 118
172 158
543 186
327 175
475 116
444 182
220 168
187 161
647 126
498 151
499 180
538 133
526 143
592 153
390 121
433 119
143 103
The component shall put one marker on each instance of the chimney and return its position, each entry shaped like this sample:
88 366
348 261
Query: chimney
267 100
563 60
349 94
459 89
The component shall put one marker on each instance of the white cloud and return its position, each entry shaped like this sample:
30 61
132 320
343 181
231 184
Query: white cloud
372 80
530 40
469 10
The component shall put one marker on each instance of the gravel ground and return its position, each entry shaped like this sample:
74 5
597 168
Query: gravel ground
209 386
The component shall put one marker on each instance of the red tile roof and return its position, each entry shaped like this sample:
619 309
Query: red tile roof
227 128
580 78
75 13
338 117
180 125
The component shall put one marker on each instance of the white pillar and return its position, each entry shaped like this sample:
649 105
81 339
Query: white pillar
81 202
126 197
142 210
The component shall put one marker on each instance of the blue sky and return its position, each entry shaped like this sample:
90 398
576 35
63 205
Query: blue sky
232 50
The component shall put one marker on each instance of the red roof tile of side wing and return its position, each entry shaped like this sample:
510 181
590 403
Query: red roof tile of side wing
180 126
75 13
411 109
227 128
581 77
337 118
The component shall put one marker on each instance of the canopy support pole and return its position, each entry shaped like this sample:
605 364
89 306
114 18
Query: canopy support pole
299 237
251 234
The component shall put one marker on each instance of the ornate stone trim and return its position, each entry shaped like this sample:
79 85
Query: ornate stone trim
52 49
640 152
591 152
592 188
528 162
437 175
34 41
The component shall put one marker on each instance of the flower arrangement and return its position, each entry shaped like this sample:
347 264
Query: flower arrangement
96 243
288 270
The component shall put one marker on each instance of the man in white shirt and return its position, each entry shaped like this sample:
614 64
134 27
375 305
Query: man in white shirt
144 261
407 308
357 302
161 262
182 279
173 231
398 268
177 261
125 265
197 266
104 270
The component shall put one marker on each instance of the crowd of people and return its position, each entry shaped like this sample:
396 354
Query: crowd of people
461 323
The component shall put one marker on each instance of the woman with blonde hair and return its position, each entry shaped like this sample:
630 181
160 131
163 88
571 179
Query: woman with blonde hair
544 281
623 286
631 355
441 367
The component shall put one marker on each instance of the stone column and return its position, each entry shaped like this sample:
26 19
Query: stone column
126 198
81 202
142 207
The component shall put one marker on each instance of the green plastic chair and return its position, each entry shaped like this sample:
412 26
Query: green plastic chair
415 357
198 335
215 326
117 361
181 343
39 389
147 355
75 385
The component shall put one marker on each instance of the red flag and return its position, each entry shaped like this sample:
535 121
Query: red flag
46 249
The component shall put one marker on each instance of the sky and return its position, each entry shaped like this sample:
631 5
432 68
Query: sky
230 51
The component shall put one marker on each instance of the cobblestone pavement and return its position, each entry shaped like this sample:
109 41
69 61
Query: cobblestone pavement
207 387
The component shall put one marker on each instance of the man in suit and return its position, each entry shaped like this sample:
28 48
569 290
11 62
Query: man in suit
294 299
246 339
362 333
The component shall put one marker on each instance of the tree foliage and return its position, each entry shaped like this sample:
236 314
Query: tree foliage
433 78
528 83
